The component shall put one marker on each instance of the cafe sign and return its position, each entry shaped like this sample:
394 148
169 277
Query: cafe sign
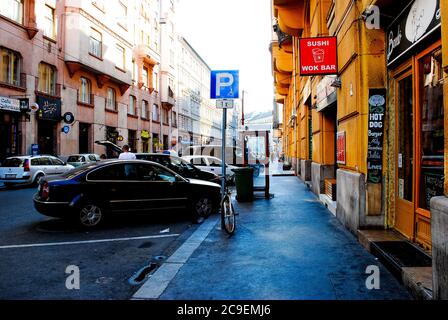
417 21
49 108
318 56
377 111
9 104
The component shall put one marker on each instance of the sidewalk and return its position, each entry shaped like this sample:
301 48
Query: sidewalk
289 247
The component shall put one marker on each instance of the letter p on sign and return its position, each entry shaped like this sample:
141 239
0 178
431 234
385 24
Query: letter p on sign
224 84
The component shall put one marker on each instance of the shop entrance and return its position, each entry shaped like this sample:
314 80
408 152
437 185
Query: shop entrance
9 135
46 134
84 138
419 144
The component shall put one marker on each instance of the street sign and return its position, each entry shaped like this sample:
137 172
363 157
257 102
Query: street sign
68 117
66 129
224 84
224 104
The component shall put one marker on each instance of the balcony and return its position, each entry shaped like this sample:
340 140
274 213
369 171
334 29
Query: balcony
168 99
53 91
16 84
290 15
148 55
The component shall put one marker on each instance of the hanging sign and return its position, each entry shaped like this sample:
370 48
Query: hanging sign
377 111
49 108
318 56
418 20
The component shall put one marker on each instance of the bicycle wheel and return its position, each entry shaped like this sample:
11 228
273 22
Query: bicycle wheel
228 220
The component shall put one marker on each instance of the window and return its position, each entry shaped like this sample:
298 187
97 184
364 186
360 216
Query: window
153 173
145 76
49 27
112 172
132 102
145 110
111 102
57 162
155 112
47 79
174 119
121 57
12 9
134 70
122 15
10 67
85 91
165 116
155 82
99 4
96 43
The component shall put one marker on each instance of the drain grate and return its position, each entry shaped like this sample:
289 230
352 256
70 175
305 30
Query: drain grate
142 274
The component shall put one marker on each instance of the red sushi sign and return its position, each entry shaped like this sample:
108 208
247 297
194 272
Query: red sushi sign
318 56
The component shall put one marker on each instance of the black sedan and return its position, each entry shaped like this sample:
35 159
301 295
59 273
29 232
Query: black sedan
180 166
89 193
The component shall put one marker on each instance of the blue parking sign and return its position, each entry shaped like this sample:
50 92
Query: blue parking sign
224 84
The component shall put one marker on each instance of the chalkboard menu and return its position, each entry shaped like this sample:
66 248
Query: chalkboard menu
377 111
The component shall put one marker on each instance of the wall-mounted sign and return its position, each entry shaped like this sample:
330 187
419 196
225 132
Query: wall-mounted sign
66 129
418 20
377 111
34 149
145 134
340 148
9 104
68 117
318 56
49 108
120 138
24 105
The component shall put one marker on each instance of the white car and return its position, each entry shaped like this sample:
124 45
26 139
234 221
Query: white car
22 170
211 164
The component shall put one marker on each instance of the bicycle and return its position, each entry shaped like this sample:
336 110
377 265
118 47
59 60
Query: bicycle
228 219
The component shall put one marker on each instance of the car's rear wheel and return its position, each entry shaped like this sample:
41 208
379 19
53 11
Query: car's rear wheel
37 179
90 215
202 208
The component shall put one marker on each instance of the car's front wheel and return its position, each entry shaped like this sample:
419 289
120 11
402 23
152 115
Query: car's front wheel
90 215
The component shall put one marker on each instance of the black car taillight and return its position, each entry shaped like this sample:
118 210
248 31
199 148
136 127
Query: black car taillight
45 191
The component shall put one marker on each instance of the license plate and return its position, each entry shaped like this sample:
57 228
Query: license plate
10 176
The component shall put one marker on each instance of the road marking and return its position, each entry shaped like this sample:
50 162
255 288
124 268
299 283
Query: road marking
161 278
87 241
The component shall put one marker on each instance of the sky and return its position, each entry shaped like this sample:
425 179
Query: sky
233 35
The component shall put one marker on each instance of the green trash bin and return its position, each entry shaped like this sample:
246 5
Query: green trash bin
244 183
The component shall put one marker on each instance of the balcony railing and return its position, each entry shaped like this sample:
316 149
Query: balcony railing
53 91
17 83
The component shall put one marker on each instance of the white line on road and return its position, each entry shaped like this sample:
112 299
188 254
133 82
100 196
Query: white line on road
161 278
86 241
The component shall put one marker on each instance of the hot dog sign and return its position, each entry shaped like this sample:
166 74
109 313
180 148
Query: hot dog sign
318 56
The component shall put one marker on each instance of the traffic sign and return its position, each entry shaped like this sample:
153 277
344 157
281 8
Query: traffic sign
66 129
224 103
224 84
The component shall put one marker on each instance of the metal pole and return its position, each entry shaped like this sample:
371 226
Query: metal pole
223 151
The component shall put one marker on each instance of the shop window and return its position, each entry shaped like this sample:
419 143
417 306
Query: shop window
431 128
10 67
12 9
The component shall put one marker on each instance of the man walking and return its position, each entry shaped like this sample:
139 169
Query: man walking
126 154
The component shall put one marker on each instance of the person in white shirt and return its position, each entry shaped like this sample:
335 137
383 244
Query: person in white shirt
126 155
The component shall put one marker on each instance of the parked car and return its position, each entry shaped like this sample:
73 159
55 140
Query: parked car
234 155
89 193
77 160
23 170
211 164
180 166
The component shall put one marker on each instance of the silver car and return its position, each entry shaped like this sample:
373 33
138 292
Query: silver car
77 160
23 170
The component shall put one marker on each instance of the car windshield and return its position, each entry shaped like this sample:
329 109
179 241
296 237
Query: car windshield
182 163
12 162
75 159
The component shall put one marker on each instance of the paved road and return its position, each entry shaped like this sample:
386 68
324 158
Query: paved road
38 272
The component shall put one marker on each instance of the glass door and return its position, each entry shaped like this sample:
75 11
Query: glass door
430 139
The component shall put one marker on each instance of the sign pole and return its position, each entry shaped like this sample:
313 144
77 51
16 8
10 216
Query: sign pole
223 151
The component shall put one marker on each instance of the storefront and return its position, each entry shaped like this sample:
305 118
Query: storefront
48 118
145 136
414 57
9 127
